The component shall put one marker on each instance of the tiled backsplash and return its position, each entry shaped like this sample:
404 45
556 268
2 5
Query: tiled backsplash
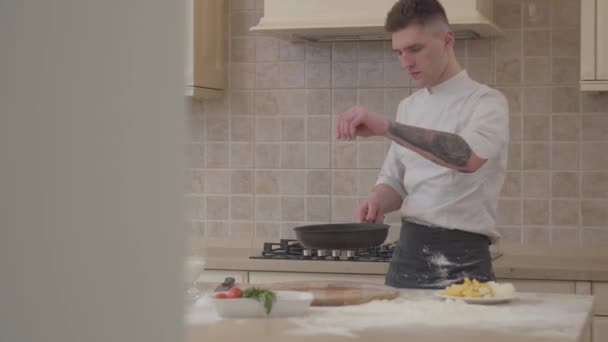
264 158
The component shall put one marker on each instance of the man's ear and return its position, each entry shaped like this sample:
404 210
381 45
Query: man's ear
449 39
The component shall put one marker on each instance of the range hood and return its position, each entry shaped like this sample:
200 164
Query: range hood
343 20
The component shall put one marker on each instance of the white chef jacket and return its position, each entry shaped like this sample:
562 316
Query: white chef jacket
435 195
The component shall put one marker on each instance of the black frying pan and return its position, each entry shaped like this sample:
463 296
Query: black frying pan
342 235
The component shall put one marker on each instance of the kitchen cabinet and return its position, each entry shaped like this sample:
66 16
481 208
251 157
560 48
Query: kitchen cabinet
600 329
269 277
594 45
542 286
205 44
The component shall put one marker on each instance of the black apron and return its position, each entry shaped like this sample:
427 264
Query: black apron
433 258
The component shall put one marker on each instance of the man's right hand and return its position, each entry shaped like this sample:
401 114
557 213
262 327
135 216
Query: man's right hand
370 210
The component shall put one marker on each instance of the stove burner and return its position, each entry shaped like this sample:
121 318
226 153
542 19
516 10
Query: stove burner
287 249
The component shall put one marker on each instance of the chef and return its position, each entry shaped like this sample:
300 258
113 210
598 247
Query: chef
446 163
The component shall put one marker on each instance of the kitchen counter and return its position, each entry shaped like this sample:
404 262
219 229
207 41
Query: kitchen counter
417 315
520 263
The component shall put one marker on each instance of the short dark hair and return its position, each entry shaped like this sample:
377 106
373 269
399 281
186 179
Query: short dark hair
408 12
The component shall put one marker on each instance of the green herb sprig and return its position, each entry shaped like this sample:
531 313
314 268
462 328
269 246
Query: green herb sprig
263 296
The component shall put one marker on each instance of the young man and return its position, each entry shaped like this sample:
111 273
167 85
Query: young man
446 163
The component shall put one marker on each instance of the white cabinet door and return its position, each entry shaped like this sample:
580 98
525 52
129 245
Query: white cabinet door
269 277
588 40
541 286
218 276
600 329
602 40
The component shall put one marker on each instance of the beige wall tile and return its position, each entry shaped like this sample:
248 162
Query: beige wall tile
195 183
293 182
267 129
293 208
344 156
344 51
566 13
537 42
241 128
267 231
536 127
566 237
565 156
536 156
366 180
537 70
514 97
318 209
217 128
565 43
594 126
293 129
510 236
342 99
594 212
236 5
318 75
241 102
481 69
480 48
515 128
218 207
266 49
217 229
508 70
266 75
536 212
565 184
289 51
460 50
287 231
243 50
593 157
241 182
537 100
318 182
510 45
293 156
344 75
565 212
242 75
371 74
216 107
392 98
371 51
565 99
267 155
318 128
241 208
537 184
537 13
217 182
267 208
372 99
565 127
537 236
370 155
344 182
318 52
196 207
217 155
292 102
292 75
267 182
241 155
318 155
565 70
318 102
515 160
344 209
594 237
594 102
394 75
512 185
266 102
594 184
241 22
242 230
510 13
196 155
509 212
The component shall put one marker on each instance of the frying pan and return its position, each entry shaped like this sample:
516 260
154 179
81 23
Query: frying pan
342 235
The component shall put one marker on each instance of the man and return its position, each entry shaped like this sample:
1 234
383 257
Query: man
446 163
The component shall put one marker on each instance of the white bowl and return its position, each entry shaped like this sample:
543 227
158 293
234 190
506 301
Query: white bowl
287 304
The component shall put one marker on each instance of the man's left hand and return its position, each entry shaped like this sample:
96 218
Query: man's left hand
358 121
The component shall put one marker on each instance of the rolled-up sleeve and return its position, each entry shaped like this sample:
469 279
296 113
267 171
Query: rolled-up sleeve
487 132
393 171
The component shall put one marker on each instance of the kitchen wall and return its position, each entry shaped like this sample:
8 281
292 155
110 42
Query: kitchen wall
264 158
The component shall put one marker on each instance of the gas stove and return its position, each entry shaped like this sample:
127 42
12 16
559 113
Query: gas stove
287 249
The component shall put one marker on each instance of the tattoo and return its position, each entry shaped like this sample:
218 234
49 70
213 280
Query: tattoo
447 147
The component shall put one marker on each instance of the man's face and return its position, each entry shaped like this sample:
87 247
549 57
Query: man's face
423 53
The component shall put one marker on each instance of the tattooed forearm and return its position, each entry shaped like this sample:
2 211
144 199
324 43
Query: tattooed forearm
449 148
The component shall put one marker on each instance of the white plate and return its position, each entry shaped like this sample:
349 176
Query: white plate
493 300
287 304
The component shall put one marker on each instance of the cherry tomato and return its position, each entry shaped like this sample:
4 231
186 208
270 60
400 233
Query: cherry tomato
221 296
234 292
